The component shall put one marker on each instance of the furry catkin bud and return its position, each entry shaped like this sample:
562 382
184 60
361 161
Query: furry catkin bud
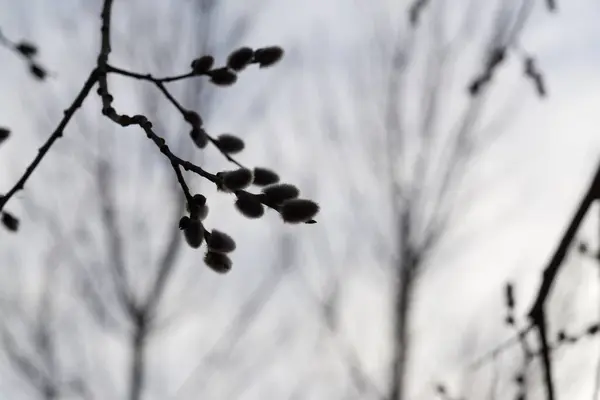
268 56
240 58
223 76
198 209
220 184
203 64
183 222
4 134
10 222
220 242
218 262
264 177
26 49
199 200
237 180
249 205
193 230
37 71
199 137
193 118
278 193
295 211
230 144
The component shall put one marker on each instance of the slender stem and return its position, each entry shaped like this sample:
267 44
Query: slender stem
58 133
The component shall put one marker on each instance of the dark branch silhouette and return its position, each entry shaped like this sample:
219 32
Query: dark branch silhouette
291 209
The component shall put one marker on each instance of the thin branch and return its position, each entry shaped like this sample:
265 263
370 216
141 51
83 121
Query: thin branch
541 327
114 239
58 132
159 82
506 345
551 271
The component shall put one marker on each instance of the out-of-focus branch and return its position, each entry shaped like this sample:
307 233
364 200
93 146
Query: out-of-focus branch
239 325
41 369
136 369
165 266
22 363
114 239
87 285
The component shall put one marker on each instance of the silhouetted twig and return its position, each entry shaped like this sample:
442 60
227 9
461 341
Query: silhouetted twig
537 313
280 199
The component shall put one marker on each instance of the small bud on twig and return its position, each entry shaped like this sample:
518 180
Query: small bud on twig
198 209
199 137
236 180
4 134
37 71
264 177
10 222
26 49
193 118
593 329
193 231
295 211
280 192
202 65
268 56
230 144
218 262
240 58
220 242
222 76
249 205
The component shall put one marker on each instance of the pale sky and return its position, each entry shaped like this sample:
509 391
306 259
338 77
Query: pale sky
525 189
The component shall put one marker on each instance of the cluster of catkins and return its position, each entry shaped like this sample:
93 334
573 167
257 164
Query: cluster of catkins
281 197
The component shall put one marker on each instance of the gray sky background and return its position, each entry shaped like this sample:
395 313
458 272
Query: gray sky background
525 187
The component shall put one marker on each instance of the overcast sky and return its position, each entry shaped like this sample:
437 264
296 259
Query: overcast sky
525 187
